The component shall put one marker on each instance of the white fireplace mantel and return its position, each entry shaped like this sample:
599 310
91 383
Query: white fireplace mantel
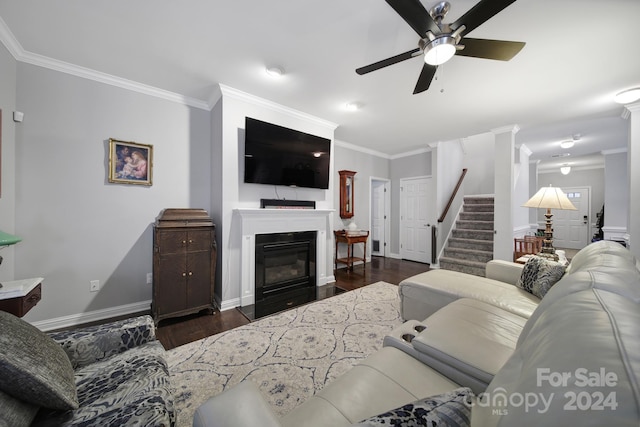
264 221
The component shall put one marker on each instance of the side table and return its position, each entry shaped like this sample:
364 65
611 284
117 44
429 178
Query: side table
350 237
19 296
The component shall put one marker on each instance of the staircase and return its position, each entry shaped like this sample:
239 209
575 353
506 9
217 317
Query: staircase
470 246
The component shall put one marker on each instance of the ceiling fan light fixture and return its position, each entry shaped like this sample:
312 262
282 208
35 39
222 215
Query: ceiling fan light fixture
628 96
440 50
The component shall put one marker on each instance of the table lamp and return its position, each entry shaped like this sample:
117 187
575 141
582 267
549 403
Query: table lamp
7 239
549 198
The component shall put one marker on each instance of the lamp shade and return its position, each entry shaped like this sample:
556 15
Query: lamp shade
550 198
7 239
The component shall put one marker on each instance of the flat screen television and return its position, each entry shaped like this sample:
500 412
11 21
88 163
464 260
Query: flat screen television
281 156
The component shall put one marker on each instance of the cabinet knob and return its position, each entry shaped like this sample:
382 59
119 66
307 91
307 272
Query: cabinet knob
190 241
190 273
184 274
184 242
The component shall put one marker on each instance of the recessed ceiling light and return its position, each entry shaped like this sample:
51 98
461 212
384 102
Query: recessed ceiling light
567 144
353 106
565 169
628 96
275 71
570 142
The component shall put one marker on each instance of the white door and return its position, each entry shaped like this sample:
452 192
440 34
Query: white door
378 237
571 229
417 213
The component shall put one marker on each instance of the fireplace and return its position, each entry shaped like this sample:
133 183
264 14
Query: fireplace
285 271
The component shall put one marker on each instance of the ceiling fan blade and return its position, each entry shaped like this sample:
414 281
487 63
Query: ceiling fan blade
480 13
386 62
490 49
414 13
426 76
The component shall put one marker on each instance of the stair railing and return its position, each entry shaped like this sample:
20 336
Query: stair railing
434 240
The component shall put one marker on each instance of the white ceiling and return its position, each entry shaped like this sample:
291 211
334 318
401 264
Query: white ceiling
578 54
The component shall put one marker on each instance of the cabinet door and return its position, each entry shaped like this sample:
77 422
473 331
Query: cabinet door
199 279
171 242
171 293
171 277
198 240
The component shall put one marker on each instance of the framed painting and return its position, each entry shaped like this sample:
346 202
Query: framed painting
130 162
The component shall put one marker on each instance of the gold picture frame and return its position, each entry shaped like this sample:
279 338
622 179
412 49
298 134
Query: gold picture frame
130 162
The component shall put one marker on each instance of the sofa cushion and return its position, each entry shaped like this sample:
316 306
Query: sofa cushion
91 344
130 388
582 356
386 379
485 337
603 253
451 409
539 275
33 367
425 293
16 412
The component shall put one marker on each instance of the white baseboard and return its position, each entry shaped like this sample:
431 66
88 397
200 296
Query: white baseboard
92 316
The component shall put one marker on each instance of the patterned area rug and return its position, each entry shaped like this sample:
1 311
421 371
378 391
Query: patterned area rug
290 355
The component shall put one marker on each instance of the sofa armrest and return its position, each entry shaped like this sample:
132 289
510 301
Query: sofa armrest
240 406
504 271
88 345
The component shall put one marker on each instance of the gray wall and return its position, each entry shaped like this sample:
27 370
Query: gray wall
76 226
480 163
414 165
7 168
616 192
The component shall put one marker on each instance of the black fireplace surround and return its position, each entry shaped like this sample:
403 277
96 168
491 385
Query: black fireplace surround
285 274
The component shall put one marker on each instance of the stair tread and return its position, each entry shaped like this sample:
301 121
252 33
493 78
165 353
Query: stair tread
468 250
461 240
463 262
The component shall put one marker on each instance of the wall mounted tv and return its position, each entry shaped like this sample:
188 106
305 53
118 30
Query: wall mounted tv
280 156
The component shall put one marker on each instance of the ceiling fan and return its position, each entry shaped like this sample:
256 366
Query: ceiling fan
439 41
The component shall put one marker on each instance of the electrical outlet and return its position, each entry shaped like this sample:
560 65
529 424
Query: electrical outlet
149 278
94 285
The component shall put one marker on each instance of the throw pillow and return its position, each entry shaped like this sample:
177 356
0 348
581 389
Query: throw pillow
451 409
33 367
539 275
15 412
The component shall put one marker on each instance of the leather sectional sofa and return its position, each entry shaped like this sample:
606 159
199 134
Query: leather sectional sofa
571 358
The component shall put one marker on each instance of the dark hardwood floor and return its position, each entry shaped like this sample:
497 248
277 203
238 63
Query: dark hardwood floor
179 331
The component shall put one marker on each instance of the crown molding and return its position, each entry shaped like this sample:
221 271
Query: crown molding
411 153
525 149
614 151
630 108
360 149
265 103
504 129
13 46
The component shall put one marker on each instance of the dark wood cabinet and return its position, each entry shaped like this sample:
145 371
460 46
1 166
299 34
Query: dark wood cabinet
184 263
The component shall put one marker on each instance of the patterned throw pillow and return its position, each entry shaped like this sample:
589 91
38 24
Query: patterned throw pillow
451 409
33 367
539 275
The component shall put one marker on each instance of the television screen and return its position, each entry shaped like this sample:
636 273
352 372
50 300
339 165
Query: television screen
281 156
